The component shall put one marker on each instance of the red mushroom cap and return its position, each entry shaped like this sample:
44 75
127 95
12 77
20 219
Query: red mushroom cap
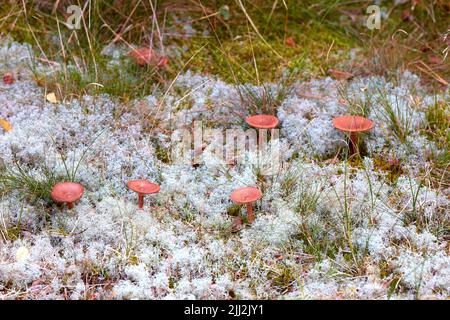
352 124
143 186
143 56
8 78
246 195
262 121
67 192
163 62
290 42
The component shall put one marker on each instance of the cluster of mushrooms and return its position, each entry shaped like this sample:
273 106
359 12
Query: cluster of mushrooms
70 192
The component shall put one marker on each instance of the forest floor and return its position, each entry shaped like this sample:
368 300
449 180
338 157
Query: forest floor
75 106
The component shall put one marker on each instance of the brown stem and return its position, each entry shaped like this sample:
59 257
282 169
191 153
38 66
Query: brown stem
353 143
141 200
250 215
70 205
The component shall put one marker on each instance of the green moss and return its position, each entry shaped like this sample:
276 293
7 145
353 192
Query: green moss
12 233
235 59
282 277
163 154
438 119
437 130
133 260
392 167
315 245
234 50
234 210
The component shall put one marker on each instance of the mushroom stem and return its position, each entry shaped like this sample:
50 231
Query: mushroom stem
70 205
353 143
250 215
141 200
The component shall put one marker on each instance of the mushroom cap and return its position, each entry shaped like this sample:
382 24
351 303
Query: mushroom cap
8 78
246 195
67 192
262 121
143 56
143 186
352 123
163 62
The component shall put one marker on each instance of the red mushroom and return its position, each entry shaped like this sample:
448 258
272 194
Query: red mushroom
353 125
67 192
262 121
290 42
163 62
143 187
8 78
247 195
143 56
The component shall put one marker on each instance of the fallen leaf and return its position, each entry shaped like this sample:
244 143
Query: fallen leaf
51 97
340 75
5 125
278 256
236 225
22 253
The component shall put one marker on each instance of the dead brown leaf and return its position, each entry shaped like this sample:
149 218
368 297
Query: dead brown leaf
340 75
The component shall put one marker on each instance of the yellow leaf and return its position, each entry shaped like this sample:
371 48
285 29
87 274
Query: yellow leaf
5 125
22 253
51 97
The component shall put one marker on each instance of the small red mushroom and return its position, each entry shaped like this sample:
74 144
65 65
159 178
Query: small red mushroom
8 78
143 187
290 42
353 125
67 192
262 121
163 62
143 56
247 196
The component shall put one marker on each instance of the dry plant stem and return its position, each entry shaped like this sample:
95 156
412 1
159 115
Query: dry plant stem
250 215
141 200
